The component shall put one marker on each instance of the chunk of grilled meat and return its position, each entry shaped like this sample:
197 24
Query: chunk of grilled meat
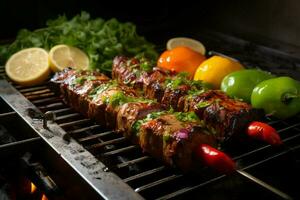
85 92
174 141
223 115
69 84
171 137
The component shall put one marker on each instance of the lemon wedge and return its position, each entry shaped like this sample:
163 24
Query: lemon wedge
62 56
188 42
28 67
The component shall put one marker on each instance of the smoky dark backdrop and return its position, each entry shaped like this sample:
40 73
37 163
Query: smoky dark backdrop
260 21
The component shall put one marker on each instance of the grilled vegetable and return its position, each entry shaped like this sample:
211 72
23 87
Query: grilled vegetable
216 159
166 135
264 132
215 68
239 84
279 97
181 59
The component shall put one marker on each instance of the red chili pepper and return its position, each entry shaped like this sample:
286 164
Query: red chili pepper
264 132
216 159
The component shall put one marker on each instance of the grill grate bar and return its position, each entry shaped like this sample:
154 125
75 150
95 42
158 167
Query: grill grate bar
22 87
84 129
270 158
62 110
251 152
98 145
95 136
161 181
46 100
188 189
269 146
289 127
73 123
39 96
143 174
67 116
134 161
36 92
291 138
3 115
18 146
51 106
33 89
25 141
117 151
264 185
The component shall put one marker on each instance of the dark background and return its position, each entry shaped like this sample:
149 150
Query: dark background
261 21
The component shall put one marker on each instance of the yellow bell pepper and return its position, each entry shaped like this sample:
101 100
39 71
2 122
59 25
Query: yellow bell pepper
214 69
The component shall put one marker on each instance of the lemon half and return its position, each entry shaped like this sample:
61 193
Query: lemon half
188 42
28 67
62 56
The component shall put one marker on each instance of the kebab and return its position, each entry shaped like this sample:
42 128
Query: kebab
226 117
178 138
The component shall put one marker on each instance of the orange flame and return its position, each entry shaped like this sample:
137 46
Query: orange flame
44 197
32 188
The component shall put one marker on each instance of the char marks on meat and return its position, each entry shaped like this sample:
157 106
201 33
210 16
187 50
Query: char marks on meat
170 136
223 115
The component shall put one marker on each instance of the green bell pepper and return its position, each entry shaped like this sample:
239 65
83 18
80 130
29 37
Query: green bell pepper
240 84
279 97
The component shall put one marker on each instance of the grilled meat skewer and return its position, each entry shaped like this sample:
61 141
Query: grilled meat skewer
225 116
173 137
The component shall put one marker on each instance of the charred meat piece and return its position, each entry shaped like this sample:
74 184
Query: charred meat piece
170 136
174 141
155 83
223 115
86 92
75 87
131 112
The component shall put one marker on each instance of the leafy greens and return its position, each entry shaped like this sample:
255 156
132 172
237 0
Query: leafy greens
101 40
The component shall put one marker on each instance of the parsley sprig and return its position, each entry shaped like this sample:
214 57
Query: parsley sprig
101 39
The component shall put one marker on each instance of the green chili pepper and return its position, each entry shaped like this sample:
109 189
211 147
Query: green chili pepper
279 97
240 84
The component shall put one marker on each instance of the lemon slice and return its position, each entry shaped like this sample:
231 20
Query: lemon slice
62 56
28 66
188 42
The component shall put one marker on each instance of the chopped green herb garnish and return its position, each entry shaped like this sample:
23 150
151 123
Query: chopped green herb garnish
203 104
120 98
91 78
166 137
80 80
117 99
183 79
101 88
186 116
137 125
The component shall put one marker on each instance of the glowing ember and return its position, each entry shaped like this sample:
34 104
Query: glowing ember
33 188
44 197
